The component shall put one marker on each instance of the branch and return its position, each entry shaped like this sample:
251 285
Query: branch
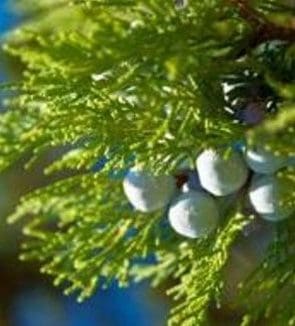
264 30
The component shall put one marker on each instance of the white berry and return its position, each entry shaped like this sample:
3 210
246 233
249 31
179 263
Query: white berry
193 214
146 192
263 161
265 193
219 175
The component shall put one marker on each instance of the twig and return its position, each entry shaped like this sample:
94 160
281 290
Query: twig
264 30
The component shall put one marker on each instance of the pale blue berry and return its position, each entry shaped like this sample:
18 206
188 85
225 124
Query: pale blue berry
193 214
219 175
263 161
146 192
265 194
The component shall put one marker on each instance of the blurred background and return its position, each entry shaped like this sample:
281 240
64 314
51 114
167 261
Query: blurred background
28 298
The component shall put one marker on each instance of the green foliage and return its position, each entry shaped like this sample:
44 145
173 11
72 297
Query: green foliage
78 244
141 79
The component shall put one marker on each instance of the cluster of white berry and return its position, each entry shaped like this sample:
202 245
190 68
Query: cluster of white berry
196 204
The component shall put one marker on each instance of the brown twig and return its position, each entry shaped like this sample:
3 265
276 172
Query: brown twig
264 30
